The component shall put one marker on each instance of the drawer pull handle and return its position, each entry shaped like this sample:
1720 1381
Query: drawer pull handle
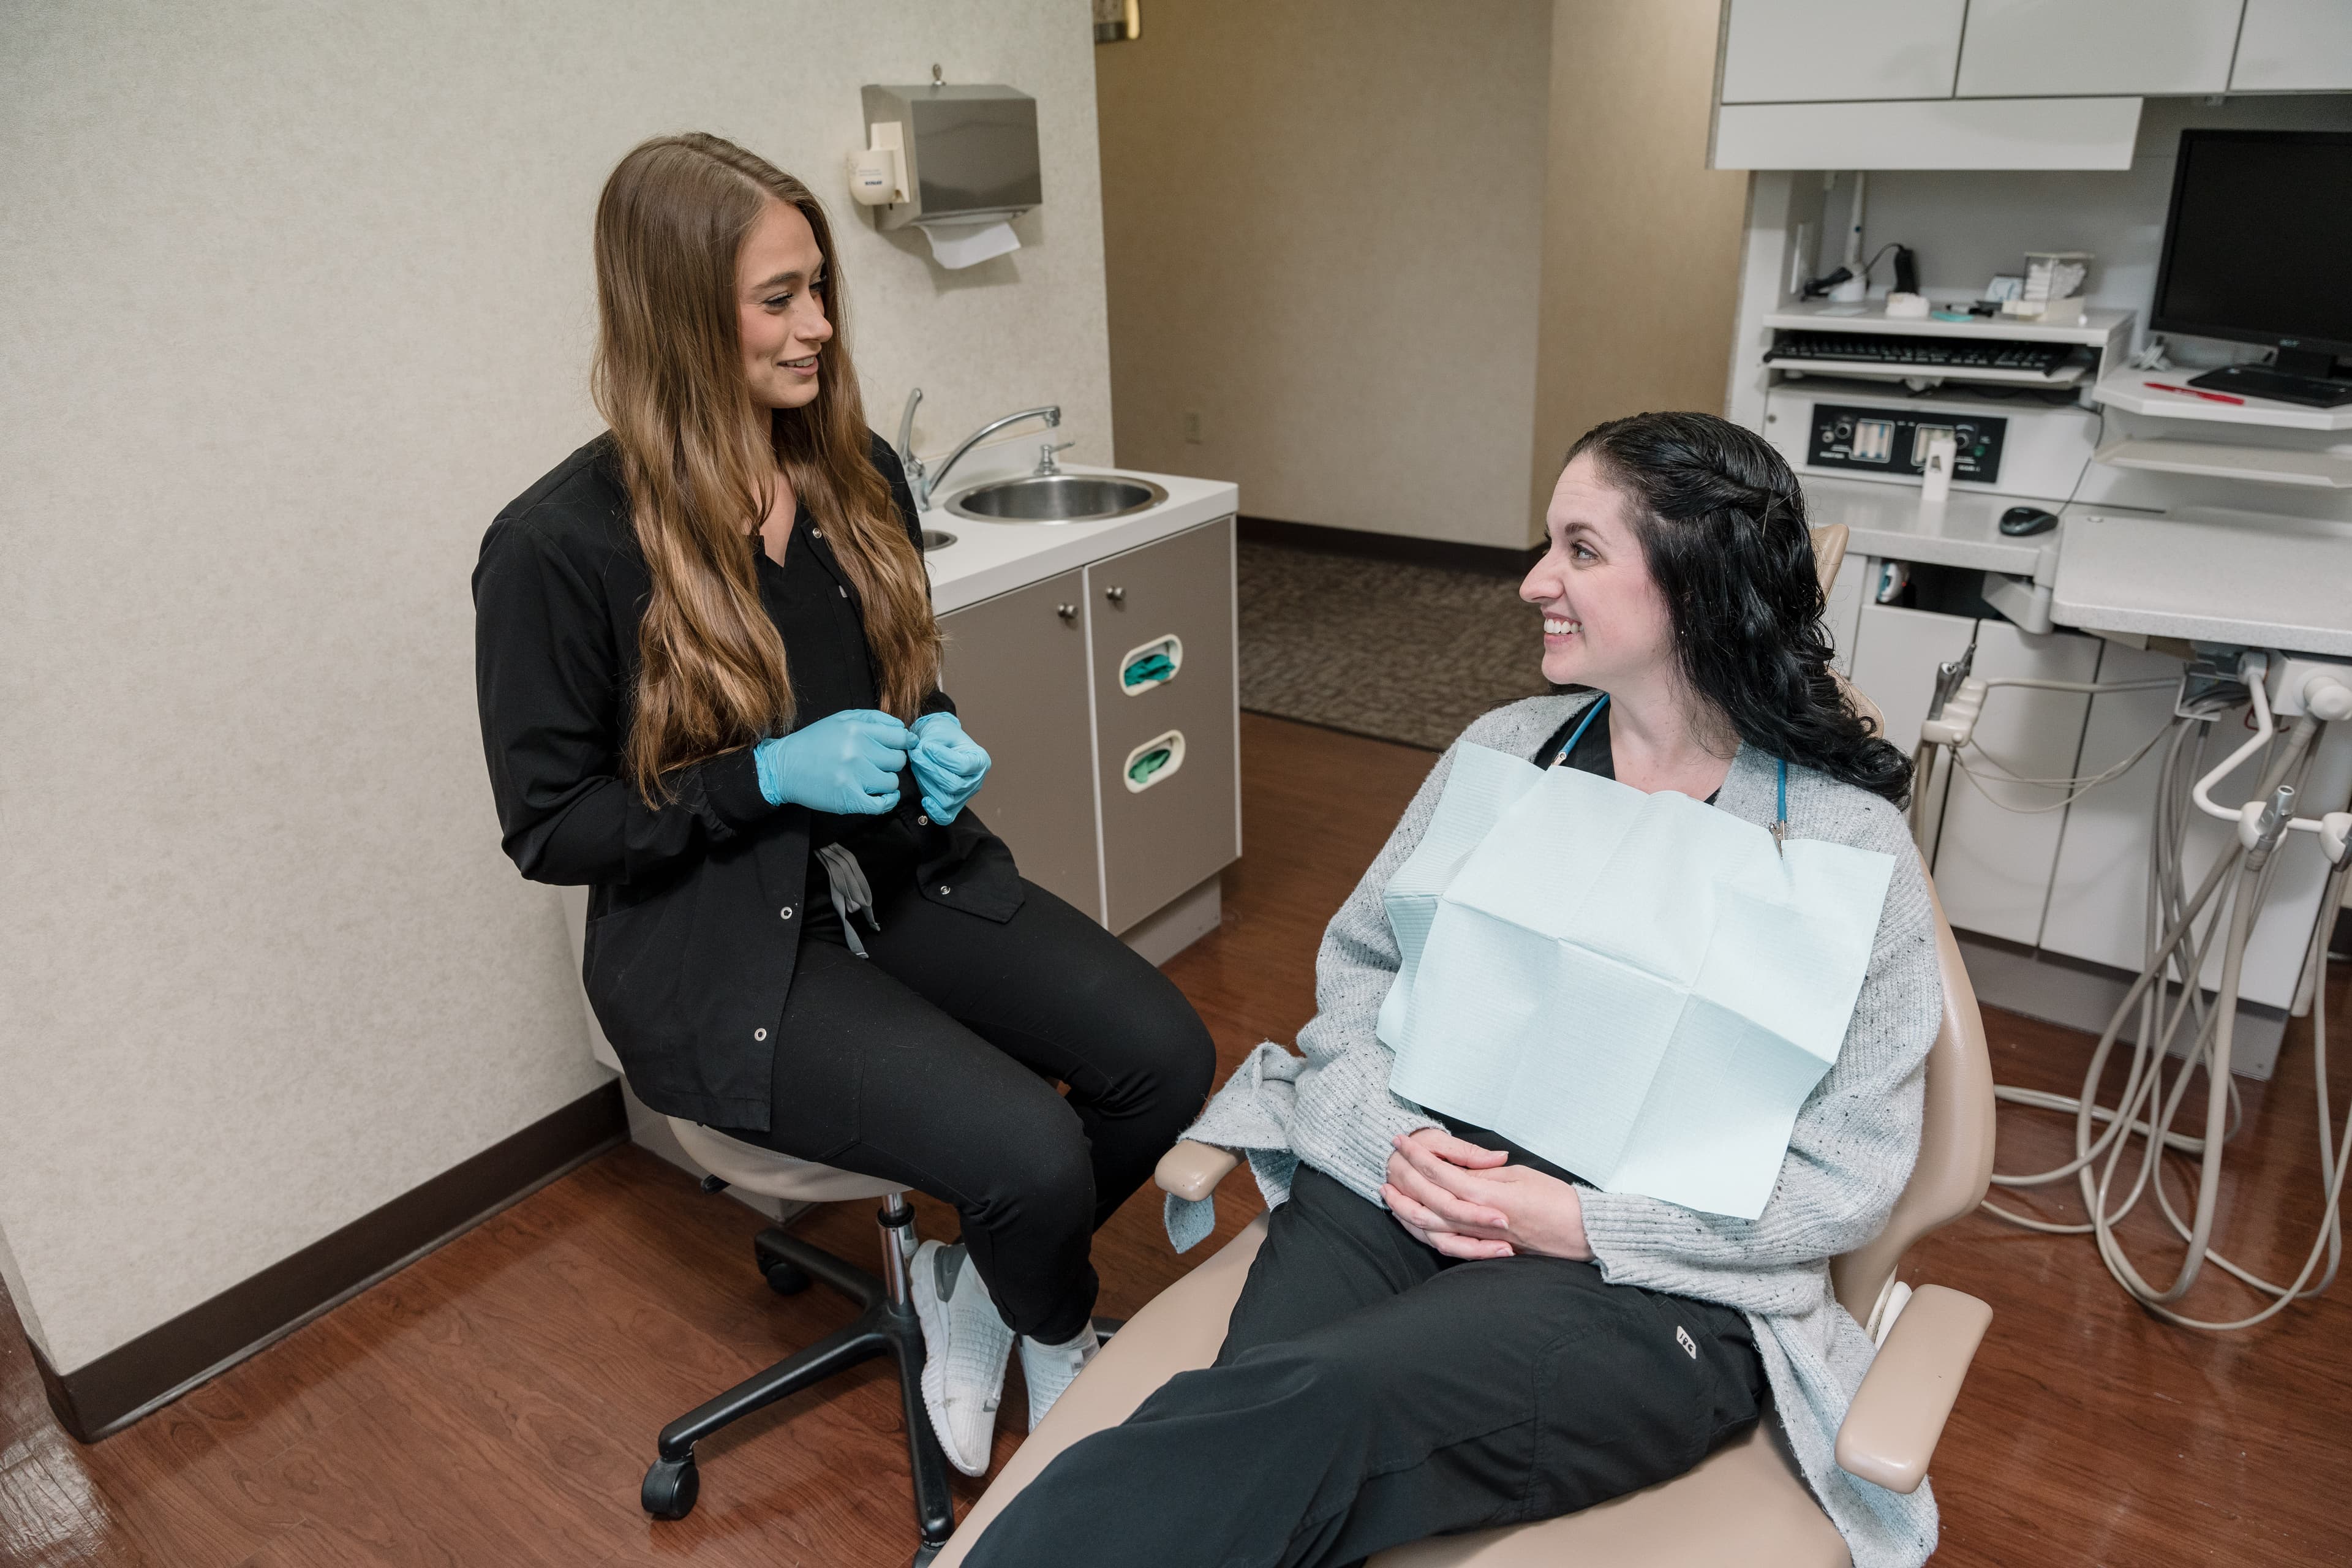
1151 664
1154 762
1067 612
1116 596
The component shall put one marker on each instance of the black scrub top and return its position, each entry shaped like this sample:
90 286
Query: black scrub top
697 903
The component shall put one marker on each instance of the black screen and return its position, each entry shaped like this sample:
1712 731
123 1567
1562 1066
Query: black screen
2259 245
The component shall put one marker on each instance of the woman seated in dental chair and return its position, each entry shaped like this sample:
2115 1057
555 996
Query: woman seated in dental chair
1447 1329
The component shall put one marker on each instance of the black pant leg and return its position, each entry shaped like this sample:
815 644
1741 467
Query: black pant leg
1056 991
872 1078
1326 1253
1491 1393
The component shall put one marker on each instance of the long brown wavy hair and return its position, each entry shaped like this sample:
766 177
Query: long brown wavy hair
669 380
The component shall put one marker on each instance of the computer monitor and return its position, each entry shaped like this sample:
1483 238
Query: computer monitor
2258 250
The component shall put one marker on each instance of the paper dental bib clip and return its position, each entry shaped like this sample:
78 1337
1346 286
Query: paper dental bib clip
1639 988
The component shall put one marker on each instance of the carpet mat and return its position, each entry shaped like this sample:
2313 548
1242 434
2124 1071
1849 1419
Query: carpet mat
1392 650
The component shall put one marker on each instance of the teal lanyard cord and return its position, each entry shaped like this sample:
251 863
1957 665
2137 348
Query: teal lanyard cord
1578 733
1780 822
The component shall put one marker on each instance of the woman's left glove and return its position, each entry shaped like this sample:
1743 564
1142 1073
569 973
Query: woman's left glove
948 766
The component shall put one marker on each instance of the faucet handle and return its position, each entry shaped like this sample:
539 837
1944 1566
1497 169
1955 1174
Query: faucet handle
1045 463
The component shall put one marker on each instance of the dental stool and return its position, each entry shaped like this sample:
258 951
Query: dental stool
887 1326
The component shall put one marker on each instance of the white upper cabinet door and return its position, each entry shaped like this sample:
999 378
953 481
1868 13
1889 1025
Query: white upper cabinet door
2294 45
1820 51
2021 49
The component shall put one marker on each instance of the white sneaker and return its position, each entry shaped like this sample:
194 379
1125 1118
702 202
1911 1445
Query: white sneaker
965 1348
1049 1370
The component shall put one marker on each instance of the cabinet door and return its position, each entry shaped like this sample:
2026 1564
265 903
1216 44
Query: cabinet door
1017 670
1178 823
2021 48
1814 51
1998 849
2294 45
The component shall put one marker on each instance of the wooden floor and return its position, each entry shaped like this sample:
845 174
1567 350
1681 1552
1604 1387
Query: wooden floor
495 1402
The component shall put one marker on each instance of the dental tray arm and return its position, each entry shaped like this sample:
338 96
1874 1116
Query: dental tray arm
1891 1429
1191 1171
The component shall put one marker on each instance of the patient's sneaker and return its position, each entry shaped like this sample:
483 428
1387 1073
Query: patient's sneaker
965 1348
1049 1370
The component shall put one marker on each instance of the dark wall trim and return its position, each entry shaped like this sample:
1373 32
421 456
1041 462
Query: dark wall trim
1491 559
167 1361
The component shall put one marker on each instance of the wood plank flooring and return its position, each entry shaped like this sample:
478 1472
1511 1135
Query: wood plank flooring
496 1402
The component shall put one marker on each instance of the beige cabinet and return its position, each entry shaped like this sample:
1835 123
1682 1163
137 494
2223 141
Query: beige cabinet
2295 45
1107 699
1161 620
2021 49
1816 51
1016 665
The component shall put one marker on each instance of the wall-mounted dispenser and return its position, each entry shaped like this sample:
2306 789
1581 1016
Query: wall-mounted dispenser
961 164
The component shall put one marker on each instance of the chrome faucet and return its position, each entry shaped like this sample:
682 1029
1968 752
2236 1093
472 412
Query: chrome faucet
924 481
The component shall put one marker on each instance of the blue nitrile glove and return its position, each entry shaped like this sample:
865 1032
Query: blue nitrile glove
845 762
948 766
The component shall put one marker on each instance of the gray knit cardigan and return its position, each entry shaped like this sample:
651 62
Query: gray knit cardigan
1854 1144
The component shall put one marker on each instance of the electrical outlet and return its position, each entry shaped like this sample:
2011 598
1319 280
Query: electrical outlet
1193 437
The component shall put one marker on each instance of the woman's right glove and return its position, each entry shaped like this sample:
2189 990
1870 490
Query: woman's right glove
846 763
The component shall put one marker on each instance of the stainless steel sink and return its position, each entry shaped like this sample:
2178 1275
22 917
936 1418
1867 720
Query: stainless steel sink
937 539
1056 498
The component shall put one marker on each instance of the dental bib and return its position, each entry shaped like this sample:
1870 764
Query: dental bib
1639 988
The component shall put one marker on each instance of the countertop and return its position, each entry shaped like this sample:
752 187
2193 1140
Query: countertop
2210 575
1887 519
991 558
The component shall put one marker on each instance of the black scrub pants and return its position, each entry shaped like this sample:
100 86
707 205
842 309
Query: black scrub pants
931 1063
1373 1392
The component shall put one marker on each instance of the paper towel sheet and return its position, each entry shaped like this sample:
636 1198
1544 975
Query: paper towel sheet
958 245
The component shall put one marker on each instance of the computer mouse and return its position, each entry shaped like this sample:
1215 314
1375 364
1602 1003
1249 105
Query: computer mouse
2020 520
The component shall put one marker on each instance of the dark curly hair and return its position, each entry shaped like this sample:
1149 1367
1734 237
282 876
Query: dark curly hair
1722 524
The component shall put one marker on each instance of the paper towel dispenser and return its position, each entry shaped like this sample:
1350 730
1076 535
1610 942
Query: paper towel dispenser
968 153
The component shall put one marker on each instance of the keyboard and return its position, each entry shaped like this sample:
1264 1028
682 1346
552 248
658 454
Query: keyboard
1877 351
2262 381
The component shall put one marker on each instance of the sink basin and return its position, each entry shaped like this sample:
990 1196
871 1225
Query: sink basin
1056 498
937 539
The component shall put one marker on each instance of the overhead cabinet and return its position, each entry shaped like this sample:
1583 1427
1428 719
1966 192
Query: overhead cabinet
1998 84
2018 49
2295 45
1810 51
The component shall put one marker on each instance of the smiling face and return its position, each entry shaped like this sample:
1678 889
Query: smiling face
780 307
1605 624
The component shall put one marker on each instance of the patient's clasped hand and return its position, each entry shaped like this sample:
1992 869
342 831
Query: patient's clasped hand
1637 988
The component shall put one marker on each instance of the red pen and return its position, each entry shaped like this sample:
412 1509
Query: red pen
2195 392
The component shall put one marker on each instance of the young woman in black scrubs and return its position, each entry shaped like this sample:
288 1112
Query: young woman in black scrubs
709 677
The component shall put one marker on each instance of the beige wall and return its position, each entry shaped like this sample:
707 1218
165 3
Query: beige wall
297 298
1322 224
1642 239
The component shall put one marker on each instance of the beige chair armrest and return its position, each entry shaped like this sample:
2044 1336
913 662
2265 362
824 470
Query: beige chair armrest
1891 1429
1191 1171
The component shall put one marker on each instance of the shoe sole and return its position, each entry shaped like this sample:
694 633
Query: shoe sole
931 1312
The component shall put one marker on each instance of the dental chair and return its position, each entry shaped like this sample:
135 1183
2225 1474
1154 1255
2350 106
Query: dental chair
1745 1502
886 1325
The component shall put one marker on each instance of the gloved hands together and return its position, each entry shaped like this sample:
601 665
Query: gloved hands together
948 766
846 763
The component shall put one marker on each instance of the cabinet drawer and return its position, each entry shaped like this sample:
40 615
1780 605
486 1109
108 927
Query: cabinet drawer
1017 670
1168 776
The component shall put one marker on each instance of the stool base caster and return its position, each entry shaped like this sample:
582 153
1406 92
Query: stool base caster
787 1279
671 1486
